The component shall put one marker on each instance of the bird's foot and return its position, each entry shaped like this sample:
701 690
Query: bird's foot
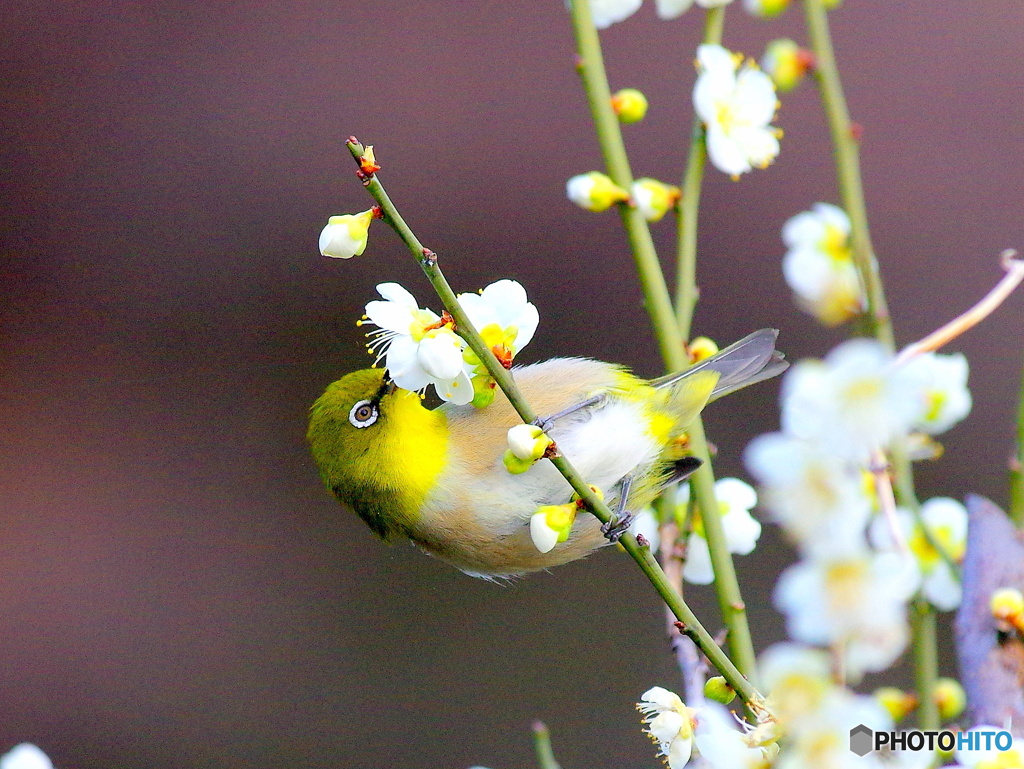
617 526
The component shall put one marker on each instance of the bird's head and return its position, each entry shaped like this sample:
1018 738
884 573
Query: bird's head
378 448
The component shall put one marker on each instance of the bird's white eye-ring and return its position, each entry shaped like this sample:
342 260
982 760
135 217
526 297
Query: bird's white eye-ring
363 414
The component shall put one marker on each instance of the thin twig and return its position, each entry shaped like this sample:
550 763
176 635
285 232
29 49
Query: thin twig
428 261
1014 275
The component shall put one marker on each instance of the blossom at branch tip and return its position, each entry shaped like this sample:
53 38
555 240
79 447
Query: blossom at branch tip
594 191
552 524
818 265
735 501
946 522
420 348
345 236
669 723
736 102
786 63
25 756
654 199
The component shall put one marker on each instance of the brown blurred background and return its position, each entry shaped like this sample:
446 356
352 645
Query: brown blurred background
177 588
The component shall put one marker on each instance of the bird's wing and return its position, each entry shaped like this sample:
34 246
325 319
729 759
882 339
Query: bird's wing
752 359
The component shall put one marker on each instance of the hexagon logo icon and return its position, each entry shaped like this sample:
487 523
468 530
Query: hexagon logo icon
861 740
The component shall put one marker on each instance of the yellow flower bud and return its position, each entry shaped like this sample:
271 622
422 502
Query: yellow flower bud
345 236
898 702
594 191
654 199
551 524
630 105
950 697
1007 605
700 348
786 63
766 8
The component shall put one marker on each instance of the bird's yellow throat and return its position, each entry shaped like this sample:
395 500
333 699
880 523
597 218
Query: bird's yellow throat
413 449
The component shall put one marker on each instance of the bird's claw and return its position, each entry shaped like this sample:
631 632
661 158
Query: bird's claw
617 526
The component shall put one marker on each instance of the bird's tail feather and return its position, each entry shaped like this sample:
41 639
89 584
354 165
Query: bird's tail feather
751 359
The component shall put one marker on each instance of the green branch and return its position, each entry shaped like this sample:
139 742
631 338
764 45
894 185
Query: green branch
542 744
640 553
847 156
851 191
1016 509
689 205
609 136
671 336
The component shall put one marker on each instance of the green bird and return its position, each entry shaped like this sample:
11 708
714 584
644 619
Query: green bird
437 476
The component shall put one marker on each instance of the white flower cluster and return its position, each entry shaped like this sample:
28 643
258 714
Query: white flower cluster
608 12
421 348
850 591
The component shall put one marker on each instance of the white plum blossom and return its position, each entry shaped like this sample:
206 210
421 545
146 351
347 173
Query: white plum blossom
669 723
946 521
818 265
946 397
735 501
25 756
607 12
503 316
854 402
725 744
737 105
822 738
419 347
856 602
797 680
819 499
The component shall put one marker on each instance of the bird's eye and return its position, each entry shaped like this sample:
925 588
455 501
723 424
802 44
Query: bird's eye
363 414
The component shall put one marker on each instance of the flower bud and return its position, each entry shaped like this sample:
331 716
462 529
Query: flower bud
1007 605
630 105
594 191
654 199
950 697
718 690
528 441
765 8
786 63
551 524
700 348
896 701
345 236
